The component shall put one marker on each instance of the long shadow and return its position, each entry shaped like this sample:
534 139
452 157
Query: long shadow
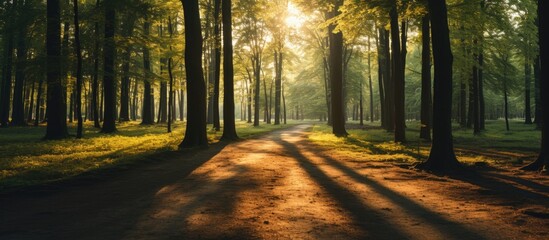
76 209
492 182
524 182
447 227
369 219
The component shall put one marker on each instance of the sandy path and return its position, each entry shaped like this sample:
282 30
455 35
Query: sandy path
278 186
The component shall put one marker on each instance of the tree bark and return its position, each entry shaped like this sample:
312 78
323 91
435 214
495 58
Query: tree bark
217 65
542 162
109 50
95 77
125 82
527 83
195 133
336 76
57 119
397 78
426 100
18 108
147 117
441 157
229 129
78 70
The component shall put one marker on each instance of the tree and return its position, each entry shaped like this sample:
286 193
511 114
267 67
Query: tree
109 49
442 156
426 102
229 130
57 124
542 162
78 51
148 97
336 76
195 133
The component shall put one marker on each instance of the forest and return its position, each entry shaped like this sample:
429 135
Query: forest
262 119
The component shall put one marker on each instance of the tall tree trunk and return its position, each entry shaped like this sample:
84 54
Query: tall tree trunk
57 119
463 103
78 70
95 78
147 117
527 83
426 102
538 117
397 77
278 85
38 102
380 76
217 65
163 103
6 79
506 105
476 117
109 49
336 76
442 155
18 109
195 133
267 118
229 129
482 107
369 85
389 85
257 82
125 81
30 110
543 159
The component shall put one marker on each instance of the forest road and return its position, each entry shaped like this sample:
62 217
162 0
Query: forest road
276 186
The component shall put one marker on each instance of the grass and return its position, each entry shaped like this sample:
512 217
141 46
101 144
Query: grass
28 160
495 145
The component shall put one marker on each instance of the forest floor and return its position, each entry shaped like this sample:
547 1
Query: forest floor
281 185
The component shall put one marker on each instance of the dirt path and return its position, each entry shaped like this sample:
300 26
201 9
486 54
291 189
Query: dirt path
280 186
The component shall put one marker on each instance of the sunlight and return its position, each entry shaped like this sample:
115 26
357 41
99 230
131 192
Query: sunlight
295 18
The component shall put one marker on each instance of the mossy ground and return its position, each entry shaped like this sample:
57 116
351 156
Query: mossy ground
495 145
26 159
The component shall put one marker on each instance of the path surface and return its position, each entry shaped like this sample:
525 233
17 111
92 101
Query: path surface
278 186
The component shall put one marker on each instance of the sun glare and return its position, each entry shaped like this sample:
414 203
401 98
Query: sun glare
295 18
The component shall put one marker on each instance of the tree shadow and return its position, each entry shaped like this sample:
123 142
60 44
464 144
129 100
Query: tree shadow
497 185
64 211
362 214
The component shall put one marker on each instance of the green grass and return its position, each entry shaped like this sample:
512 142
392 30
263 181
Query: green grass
495 145
27 160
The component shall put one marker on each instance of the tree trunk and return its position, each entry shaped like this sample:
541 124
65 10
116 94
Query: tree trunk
147 117
195 133
38 102
217 65
481 90
336 76
57 119
397 77
442 155
109 50
125 82
278 85
229 129
95 78
543 159
30 110
538 117
78 70
476 117
506 106
6 80
527 83
380 76
257 80
18 109
426 102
